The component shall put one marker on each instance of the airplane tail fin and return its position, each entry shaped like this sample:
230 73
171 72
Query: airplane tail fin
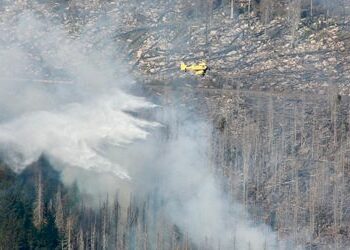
183 66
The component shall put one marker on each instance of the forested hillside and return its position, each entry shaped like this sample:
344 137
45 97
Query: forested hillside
268 170
38 212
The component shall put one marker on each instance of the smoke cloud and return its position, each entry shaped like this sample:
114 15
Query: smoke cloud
181 171
61 97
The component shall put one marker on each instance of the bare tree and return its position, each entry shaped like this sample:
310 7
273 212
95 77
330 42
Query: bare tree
81 239
294 9
311 8
266 8
93 235
59 216
232 8
38 218
69 232
105 224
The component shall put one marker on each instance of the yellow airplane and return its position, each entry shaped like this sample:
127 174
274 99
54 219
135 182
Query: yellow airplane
198 68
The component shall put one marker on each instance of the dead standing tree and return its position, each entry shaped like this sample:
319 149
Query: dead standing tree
266 9
38 217
294 9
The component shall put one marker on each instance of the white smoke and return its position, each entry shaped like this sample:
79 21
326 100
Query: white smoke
62 97
181 170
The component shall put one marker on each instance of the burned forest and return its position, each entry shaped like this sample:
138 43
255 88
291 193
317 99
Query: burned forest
175 125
